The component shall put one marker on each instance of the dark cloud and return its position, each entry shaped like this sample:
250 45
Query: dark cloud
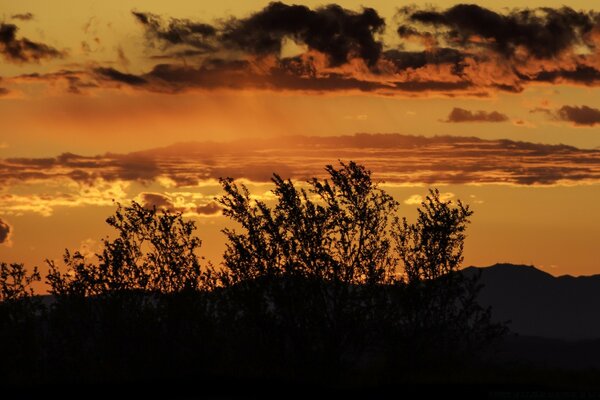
177 31
289 75
419 59
23 16
394 158
336 32
5 232
332 30
461 115
74 81
544 32
165 202
465 50
581 74
117 76
211 208
583 115
4 91
23 50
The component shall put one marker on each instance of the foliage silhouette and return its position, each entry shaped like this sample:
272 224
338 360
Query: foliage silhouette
330 273
154 252
326 285
19 311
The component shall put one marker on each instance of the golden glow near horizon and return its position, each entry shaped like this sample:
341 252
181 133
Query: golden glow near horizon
98 88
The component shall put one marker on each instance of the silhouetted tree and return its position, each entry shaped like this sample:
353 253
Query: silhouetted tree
326 282
311 263
15 282
439 304
144 291
155 251
331 274
19 309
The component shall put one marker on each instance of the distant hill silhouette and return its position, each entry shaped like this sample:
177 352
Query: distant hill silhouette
539 304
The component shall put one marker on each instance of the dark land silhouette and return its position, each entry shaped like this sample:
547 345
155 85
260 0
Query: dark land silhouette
329 289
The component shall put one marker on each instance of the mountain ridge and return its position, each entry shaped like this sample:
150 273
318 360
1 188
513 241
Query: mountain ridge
539 304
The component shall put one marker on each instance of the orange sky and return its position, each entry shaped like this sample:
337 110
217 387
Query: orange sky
91 78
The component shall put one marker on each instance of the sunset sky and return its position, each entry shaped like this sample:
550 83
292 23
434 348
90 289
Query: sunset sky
494 104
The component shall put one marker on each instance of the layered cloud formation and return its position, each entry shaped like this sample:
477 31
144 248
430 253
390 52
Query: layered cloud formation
396 159
463 50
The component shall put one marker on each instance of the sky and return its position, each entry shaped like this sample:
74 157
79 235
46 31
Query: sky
112 101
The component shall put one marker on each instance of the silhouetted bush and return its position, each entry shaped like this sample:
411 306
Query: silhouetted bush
328 285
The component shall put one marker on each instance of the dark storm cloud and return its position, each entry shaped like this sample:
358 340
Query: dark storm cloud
464 50
583 115
5 231
23 50
543 32
397 159
461 115
331 30
23 16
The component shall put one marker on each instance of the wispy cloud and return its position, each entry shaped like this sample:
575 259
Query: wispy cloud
27 16
23 50
177 176
394 158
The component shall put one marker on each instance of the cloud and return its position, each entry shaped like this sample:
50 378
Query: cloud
5 232
23 16
464 50
417 199
23 50
71 194
461 115
396 159
211 208
179 202
543 33
583 115
336 32
4 91
117 76
122 58
176 31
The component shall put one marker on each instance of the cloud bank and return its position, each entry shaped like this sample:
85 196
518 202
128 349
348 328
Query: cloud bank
465 50
397 159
